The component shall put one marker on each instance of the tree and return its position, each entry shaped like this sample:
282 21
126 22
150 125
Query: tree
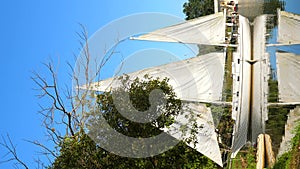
61 116
86 154
196 8
65 125
291 158
271 6
139 93
82 152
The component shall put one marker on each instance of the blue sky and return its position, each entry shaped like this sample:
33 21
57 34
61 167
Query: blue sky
32 32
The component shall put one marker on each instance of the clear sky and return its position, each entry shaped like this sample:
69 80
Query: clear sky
33 31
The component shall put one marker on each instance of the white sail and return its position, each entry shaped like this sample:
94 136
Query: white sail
288 72
288 28
243 94
204 30
196 79
260 78
206 138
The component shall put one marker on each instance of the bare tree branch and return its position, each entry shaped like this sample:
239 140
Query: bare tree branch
11 149
44 147
66 107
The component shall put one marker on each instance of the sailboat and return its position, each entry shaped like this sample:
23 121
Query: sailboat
200 80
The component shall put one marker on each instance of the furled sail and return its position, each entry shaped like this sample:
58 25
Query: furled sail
288 28
204 30
288 72
196 79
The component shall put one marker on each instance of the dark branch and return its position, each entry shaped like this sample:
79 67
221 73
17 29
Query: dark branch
11 149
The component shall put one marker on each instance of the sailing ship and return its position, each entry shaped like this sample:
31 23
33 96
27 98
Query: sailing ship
200 80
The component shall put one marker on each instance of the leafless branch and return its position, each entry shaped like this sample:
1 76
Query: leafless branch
44 147
65 105
11 149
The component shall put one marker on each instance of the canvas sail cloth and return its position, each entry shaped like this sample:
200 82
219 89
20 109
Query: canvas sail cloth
241 89
204 30
288 72
260 79
242 96
288 28
206 139
199 79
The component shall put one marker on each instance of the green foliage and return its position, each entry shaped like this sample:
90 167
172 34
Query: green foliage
251 159
295 157
80 151
271 6
77 151
277 115
227 76
296 139
196 8
291 159
275 125
225 126
245 160
139 92
223 114
283 161
273 90
84 154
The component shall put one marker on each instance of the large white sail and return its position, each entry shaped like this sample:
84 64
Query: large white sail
240 132
260 78
288 28
196 79
288 72
206 138
204 30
